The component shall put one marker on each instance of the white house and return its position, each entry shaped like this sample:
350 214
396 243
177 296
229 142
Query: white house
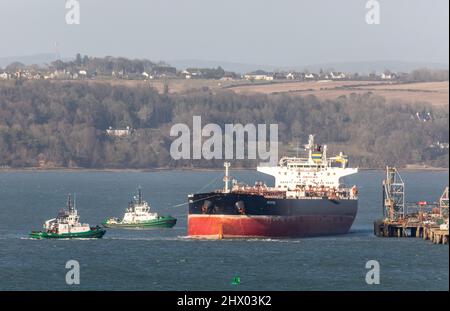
118 132
258 77
147 76
387 76
4 76
226 78
290 76
337 75
309 76
186 74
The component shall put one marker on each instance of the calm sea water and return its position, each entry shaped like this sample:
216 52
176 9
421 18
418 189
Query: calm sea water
165 259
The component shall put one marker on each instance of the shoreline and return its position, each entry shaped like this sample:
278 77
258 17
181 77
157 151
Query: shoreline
193 169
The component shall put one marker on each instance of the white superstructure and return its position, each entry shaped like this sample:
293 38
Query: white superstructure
67 221
138 211
316 170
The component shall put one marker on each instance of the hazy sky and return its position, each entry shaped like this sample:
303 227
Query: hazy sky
282 32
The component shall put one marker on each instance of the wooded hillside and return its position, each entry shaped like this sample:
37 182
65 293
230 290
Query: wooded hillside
63 124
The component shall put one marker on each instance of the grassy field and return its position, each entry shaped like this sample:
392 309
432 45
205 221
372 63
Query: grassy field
174 85
436 93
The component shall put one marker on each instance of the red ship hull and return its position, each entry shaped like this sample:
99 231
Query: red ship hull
244 226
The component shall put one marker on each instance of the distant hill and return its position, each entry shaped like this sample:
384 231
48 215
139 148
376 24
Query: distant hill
35 59
365 67
228 66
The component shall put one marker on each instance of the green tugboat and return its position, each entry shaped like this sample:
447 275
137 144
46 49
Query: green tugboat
138 215
67 226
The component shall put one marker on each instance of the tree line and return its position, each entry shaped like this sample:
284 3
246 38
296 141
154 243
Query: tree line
63 124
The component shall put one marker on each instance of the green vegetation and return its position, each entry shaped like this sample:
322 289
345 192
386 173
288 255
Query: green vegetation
62 124
105 66
427 75
109 67
209 73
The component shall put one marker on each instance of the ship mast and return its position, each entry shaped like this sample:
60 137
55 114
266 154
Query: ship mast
310 146
139 196
69 204
226 178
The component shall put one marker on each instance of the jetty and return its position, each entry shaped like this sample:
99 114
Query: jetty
425 220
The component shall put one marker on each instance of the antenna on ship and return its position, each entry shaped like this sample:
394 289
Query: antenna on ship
139 195
69 203
226 178
310 146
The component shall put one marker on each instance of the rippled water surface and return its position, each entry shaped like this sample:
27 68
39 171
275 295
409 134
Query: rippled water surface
165 259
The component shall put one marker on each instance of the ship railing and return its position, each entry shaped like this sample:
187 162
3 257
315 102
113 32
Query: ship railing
267 192
324 192
293 194
307 192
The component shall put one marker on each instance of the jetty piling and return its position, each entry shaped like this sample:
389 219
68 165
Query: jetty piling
418 220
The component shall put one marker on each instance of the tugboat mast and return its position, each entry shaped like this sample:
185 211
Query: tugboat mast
139 196
70 206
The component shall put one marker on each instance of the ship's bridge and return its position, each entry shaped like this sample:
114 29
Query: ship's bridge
315 170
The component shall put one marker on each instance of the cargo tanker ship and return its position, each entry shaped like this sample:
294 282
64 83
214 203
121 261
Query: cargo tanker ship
308 199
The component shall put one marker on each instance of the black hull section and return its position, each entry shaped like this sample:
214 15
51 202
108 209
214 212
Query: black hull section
248 204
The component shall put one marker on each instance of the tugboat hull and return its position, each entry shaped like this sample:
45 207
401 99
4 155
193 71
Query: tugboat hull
94 233
162 222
